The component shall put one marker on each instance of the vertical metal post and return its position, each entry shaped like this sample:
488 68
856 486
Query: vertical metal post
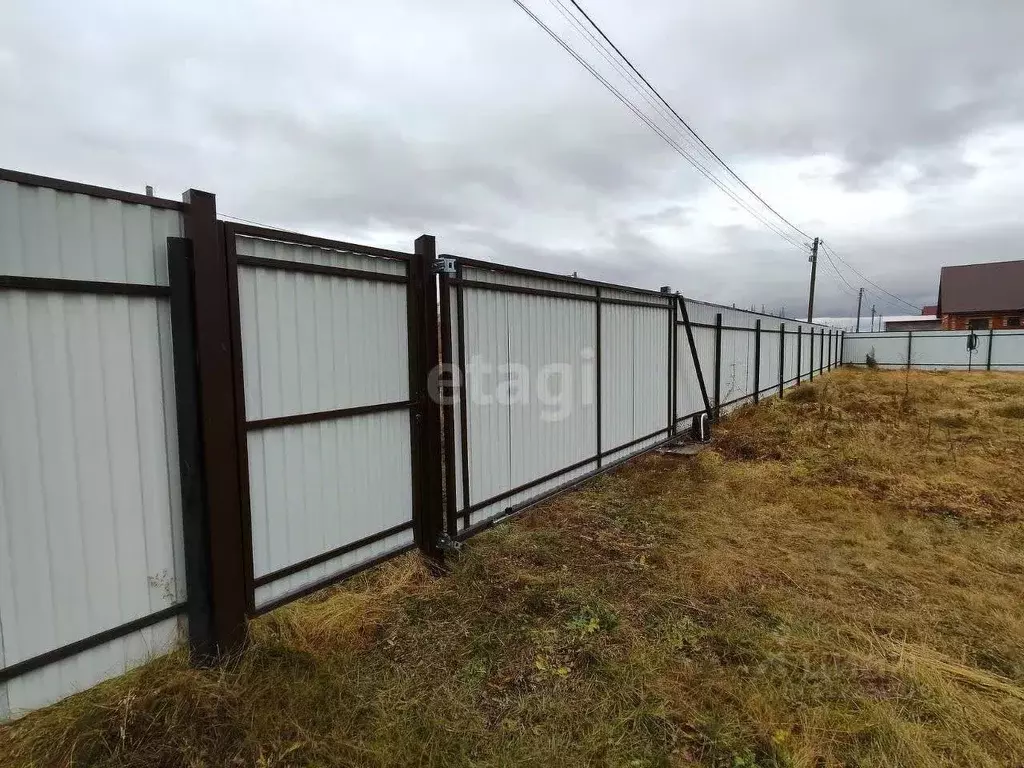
195 512
230 590
821 352
810 340
674 357
910 345
597 377
228 242
988 363
448 391
842 347
427 511
799 350
670 389
460 308
782 359
718 365
757 361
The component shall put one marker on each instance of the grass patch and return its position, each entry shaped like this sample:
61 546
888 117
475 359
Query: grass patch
838 581
1014 410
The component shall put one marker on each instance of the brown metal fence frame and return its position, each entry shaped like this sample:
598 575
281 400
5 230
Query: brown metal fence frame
666 301
212 427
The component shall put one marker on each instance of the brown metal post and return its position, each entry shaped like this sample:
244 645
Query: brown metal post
757 361
229 595
195 514
424 357
782 359
799 350
597 366
718 365
810 340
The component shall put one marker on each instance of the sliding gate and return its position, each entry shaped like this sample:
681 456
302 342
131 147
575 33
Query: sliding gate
554 379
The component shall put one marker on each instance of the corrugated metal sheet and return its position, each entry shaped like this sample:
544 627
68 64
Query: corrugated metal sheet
276 249
45 233
553 342
488 423
530 386
553 283
888 349
314 343
634 374
937 350
1008 350
90 519
769 369
316 487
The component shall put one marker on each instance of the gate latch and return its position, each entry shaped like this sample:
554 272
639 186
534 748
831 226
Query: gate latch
444 265
449 545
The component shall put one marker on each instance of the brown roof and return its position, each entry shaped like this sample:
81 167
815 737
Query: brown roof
993 287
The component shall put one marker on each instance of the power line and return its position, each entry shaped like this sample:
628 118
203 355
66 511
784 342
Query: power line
629 104
696 135
857 272
643 87
836 268
637 83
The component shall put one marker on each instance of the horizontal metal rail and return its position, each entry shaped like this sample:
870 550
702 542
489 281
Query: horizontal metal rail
574 483
315 416
557 473
323 557
87 287
331 580
88 643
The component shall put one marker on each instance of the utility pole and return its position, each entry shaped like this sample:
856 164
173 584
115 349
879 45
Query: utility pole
814 274
860 298
872 318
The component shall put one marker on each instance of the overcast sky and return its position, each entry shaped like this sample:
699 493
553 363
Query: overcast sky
894 130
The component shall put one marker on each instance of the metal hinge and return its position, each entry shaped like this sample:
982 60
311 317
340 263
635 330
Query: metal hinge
447 544
444 265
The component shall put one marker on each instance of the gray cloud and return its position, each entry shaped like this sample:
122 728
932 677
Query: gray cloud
462 119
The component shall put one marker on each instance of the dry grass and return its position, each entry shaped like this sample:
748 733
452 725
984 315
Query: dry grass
838 582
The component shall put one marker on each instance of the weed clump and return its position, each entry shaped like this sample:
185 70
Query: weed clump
1014 410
